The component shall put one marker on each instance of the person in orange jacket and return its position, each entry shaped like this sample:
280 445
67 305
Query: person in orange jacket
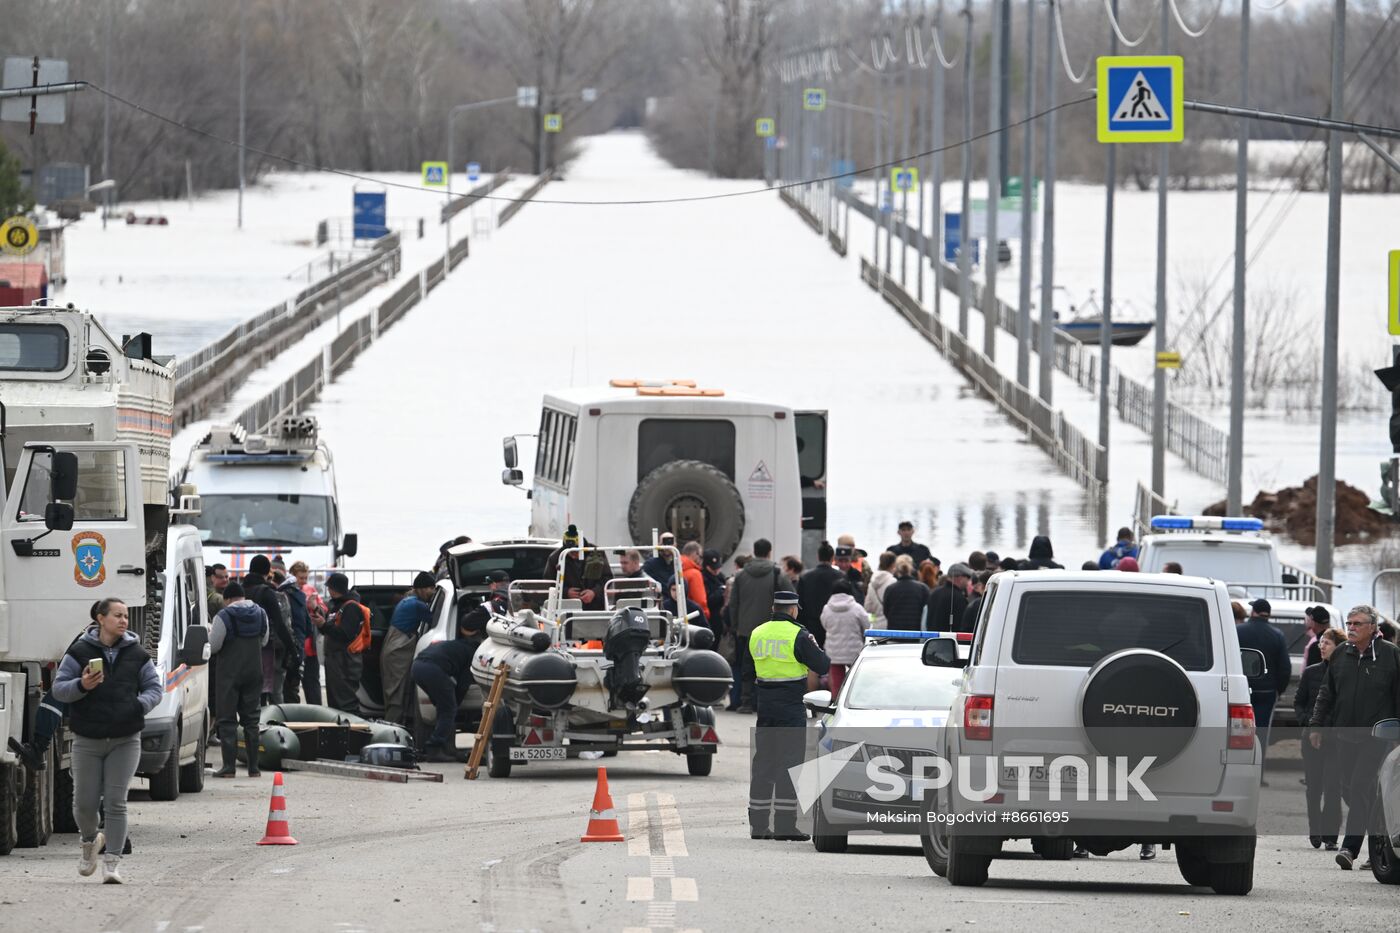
694 578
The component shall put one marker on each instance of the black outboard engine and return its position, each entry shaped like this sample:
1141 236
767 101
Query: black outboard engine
628 636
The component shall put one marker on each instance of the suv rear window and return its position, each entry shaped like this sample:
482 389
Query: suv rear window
1077 629
521 563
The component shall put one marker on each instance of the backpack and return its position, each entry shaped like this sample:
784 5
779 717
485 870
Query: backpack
359 643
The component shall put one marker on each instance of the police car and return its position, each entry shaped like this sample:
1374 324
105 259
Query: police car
892 705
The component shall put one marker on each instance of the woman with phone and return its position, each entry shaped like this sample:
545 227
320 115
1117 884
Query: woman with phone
109 684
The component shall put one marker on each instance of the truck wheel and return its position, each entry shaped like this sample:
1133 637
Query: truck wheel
34 822
693 484
9 808
700 764
192 774
964 868
165 783
63 819
498 759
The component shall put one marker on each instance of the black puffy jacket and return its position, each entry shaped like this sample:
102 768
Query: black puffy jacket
904 603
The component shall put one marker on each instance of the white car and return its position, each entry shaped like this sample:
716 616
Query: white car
1107 708
889 696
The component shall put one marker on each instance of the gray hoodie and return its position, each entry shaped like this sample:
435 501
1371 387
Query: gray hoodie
68 687
751 595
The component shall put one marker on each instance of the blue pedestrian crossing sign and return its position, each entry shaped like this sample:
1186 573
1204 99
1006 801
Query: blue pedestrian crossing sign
1141 99
904 178
473 171
434 174
765 127
814 98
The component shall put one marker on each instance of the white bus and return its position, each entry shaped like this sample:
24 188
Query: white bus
620 460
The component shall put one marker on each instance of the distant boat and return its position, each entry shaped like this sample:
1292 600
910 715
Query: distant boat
1086 326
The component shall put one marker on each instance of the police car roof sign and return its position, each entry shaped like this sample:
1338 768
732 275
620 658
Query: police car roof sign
1141 99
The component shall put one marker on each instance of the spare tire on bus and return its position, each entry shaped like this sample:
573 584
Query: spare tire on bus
688 483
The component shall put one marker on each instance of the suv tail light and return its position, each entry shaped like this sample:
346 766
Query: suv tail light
977 718
1241 727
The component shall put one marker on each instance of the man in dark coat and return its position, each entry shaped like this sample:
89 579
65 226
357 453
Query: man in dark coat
1259 633
236 638
917 552
1361 687
301 629
750 605
344 627
1042 555
584 576
814 589
947 604
260 590
906 599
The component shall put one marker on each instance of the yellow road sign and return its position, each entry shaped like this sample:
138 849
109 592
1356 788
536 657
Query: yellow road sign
553 122
904 178
814 98
1168 359
764 126
19 236
1395 292
1141 99
435 174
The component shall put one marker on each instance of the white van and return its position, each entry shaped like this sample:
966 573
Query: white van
270 494
620 460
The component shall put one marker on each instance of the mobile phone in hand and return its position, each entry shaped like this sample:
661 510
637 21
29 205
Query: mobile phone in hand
95 666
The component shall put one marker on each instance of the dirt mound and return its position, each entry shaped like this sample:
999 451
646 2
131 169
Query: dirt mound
1293 511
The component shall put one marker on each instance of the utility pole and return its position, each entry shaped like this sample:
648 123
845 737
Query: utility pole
938 88
965 241
1004 51
1159 375
877 119
991 310
905 95
1110 191
1023 317
1047 247
1327 465
921 138
107 114
1234 486
242 99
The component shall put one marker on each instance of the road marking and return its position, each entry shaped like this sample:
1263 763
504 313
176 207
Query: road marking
638 825
661 840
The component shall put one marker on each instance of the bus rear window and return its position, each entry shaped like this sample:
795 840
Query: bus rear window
660 441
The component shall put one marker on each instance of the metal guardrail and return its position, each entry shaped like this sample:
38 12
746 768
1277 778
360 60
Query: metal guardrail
1146 504
514 207
1201 444
294 395
1394 591
457 205
1313 591
1082 459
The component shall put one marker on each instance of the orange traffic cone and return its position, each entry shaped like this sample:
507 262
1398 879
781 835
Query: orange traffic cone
278 832
602 820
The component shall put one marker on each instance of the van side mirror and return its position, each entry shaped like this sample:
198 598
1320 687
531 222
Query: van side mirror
942 652
511 452
351 545
512 477
58 516
196 648
1252 660
63 476
1387 730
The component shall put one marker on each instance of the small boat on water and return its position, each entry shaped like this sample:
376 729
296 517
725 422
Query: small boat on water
1086 326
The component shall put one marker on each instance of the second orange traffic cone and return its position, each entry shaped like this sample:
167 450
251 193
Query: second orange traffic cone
602 819
279 831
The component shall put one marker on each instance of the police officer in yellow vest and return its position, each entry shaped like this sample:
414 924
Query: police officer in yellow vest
783 652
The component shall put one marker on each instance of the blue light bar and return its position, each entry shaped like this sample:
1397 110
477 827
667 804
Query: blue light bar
1171 522
1242 524
258 458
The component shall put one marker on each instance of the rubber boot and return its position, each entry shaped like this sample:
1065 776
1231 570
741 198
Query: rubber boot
250 742
228 743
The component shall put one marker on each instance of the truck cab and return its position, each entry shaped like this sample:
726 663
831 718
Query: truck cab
272 494
622 460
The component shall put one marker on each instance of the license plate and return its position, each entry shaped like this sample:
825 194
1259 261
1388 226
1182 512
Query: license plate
1040 774
539 754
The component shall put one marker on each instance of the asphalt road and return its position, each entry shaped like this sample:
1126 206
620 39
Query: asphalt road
500 855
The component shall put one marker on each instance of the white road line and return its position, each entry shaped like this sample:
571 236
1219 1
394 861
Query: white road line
640 889
638 825
684 889
671 831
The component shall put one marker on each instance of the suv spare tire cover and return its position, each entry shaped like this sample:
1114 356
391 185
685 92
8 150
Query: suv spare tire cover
692 481
1138 702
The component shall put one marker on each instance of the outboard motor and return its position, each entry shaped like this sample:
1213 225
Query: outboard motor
628 636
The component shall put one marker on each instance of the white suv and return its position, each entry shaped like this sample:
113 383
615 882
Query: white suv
1137 676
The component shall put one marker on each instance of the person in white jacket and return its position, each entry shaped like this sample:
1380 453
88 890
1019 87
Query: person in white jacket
875 593
845 622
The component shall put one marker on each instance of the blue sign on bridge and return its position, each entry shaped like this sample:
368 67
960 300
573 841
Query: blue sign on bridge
370 219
